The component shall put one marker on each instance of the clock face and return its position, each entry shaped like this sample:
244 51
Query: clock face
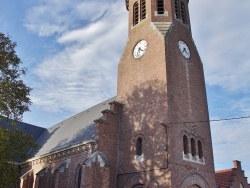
140 49
184 49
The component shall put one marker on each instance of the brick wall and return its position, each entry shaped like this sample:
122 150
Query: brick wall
160 91
66 177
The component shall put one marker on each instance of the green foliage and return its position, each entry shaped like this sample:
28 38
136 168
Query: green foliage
14 101
14 145
14 94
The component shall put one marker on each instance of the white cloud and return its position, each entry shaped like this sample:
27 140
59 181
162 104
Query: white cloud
231 142
85 71
242 106
221 39
56 17
85 34
92 10
222 36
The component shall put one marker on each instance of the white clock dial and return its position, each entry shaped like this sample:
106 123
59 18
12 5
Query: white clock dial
184 49
140 49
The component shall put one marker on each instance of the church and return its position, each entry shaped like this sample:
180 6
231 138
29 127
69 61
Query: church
155 133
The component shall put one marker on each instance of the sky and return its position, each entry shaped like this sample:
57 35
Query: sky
72 48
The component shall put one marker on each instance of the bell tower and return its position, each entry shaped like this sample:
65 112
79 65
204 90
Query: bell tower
165 137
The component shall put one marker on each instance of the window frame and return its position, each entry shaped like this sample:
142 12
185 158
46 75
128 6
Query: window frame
139 146
177 8
185 145
135 13
183 13
143 10
78 176
160 7
200 150
56 176
193 148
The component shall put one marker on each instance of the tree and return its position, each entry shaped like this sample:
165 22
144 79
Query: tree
14 101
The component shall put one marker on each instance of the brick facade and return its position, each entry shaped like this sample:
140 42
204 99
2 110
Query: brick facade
164 98
139 140
42 172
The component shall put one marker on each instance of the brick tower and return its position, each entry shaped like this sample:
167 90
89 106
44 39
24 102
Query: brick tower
164 137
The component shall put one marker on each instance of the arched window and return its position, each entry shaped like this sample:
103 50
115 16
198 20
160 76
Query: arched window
200 150
56 179
185 145
139 146
139 186
28 179
136 14
160 6
78 176
183 13
193 151
195 186
177 9
143 9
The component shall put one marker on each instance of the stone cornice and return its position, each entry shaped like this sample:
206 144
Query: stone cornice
75 149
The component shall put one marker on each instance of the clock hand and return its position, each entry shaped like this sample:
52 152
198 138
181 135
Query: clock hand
138 53
139 49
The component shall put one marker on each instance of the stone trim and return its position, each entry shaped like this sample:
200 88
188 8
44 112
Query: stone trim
195 159
43 170
141 178
85 147
24 176
194 179
165 13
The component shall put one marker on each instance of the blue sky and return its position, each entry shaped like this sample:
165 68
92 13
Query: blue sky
72 53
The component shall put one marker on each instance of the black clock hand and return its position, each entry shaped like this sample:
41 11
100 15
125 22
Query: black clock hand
184 50
138 52
139 49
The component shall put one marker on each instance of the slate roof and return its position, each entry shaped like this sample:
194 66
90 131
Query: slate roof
26 128
224 178
72 131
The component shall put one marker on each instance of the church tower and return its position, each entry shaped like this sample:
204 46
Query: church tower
164 137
